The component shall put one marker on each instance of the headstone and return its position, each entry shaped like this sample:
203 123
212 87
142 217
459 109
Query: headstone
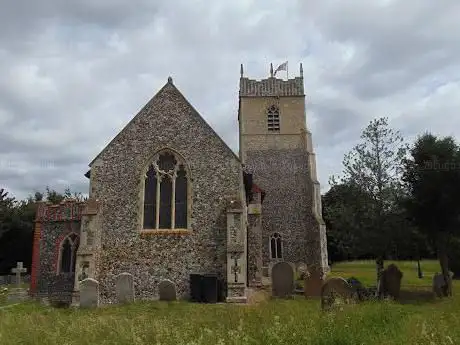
89 293
313 283
17 295
334 290
167 290
60 291
282 280
391 281
439 284
18 270
125 288
362 292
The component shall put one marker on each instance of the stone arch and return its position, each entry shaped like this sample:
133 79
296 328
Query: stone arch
166 191
67 253
276 246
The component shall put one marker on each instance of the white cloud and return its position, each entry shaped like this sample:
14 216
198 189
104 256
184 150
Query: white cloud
74 73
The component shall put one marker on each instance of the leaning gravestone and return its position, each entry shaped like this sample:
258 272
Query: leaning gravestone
335 290
391 281
89 293
313 282
282 280
167 290
125 288
362 292
439 285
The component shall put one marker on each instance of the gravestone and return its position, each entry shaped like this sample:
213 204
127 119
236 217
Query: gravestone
18 294
391 281
336 290
362 292
125 288
313 283
18 270
60 291
282 280
167 290
439 284
89 293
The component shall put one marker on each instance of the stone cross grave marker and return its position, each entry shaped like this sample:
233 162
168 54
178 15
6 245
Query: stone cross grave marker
167 290
18 270
89 293
282 280
125 288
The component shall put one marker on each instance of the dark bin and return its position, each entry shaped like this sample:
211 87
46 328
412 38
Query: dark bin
210 288
195 288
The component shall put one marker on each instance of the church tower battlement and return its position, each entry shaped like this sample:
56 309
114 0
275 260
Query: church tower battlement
276 148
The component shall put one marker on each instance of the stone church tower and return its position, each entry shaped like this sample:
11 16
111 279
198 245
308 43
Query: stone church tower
276 149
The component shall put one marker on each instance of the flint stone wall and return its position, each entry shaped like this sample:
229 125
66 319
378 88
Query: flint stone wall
287 207
167 121
52 234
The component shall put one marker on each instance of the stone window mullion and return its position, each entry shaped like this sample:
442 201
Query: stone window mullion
173 200
157 204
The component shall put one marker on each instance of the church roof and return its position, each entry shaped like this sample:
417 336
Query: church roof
169 84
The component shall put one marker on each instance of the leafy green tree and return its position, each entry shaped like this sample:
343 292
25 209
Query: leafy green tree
432 175
374 167
345 213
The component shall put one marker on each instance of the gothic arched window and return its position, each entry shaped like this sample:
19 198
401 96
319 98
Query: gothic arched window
273 118
165 193
276 246
68 254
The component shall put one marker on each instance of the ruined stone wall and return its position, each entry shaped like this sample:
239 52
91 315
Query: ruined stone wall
167 121
53 223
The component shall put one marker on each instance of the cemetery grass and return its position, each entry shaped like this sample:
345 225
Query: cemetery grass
296 321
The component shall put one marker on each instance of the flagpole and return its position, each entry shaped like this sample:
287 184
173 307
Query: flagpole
287 70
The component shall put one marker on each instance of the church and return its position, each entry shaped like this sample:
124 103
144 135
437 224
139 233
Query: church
168 198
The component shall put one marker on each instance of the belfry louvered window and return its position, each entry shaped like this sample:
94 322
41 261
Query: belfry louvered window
273 119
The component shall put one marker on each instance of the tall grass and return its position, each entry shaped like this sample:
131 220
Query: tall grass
273 322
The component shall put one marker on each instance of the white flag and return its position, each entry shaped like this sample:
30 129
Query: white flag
282 67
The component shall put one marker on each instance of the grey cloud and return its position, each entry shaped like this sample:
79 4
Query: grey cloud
74 73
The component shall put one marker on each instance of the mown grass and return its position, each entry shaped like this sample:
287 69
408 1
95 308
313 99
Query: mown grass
365 271
296 321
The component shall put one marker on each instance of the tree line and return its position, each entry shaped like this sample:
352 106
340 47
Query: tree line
17 225
396 201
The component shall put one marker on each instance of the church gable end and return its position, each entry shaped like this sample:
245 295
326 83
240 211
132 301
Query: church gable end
163 183
170 111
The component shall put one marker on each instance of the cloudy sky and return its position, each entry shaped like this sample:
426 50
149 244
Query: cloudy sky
73 73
